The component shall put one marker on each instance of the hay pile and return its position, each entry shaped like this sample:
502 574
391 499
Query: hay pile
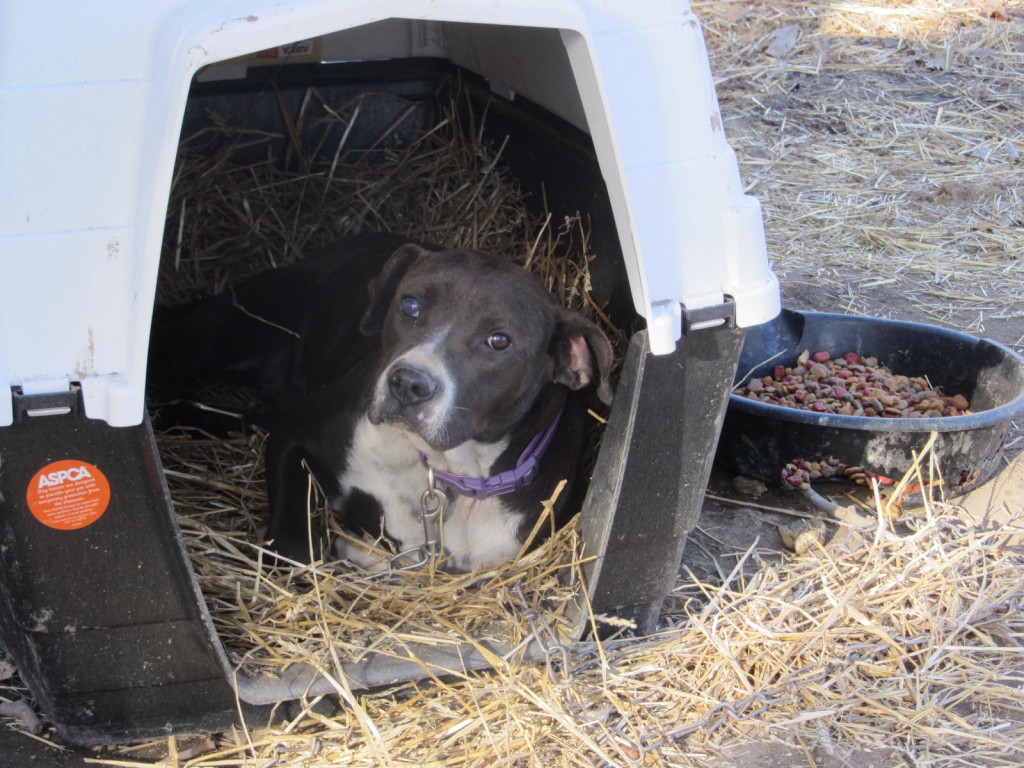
230 216
269 619
882 140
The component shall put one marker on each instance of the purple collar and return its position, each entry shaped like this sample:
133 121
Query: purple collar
504 482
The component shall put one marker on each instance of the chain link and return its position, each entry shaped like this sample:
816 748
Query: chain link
556 653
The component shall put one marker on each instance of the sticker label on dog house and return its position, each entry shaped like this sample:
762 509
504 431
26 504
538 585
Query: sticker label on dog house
68 495
303 51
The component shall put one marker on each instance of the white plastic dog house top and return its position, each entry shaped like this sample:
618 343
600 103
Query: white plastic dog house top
91 102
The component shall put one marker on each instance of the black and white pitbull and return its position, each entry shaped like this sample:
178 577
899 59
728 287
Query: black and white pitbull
475 376
456 362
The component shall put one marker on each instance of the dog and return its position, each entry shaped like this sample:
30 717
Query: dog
454 380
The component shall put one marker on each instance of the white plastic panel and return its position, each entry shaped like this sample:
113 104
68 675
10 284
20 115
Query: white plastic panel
90 115
658 133
519 61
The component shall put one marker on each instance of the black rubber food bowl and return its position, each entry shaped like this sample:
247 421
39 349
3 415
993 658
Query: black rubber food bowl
759 439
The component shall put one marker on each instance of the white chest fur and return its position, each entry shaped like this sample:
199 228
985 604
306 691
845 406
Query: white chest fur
385 463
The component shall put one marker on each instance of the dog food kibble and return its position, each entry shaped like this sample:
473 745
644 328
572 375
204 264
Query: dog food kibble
852 385
800 472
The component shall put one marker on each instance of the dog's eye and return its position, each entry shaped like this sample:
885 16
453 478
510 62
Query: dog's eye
410 306
498 341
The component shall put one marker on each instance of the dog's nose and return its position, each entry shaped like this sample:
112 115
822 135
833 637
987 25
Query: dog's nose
410 386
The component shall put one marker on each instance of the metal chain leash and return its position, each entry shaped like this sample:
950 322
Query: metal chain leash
556 653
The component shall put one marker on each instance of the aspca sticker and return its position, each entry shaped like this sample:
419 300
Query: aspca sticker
68 495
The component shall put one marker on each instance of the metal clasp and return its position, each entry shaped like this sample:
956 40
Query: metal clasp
433 504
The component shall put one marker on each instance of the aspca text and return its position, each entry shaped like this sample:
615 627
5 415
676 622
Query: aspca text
72 474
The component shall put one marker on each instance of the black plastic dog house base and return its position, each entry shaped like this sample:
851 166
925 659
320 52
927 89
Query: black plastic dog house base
649 481
106 622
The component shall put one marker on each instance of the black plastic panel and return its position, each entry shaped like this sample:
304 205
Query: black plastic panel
104 621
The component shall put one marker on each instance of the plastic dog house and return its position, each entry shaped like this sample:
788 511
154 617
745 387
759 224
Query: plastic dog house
98 603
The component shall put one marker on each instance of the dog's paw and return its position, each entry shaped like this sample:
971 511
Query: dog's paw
362 555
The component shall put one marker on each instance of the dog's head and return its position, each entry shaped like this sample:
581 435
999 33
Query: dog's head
469 340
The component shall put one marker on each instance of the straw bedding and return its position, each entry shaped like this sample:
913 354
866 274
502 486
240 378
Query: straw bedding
899 644
235 217
446 186
271 618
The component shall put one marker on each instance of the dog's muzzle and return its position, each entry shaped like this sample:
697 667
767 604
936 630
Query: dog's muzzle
408 394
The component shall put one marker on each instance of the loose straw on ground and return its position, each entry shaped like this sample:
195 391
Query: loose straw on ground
883 141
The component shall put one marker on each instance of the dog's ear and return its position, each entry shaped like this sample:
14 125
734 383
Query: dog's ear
583 355
382 287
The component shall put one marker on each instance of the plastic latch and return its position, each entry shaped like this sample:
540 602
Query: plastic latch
664 327
45 404
710 316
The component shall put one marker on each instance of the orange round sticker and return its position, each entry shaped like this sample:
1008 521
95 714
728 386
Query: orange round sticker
68 495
